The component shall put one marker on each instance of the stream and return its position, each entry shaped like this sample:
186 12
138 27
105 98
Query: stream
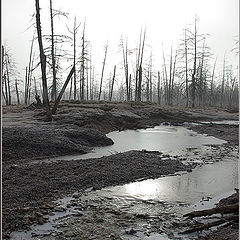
146 209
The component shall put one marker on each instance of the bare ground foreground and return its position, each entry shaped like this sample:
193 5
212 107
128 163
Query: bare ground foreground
29 186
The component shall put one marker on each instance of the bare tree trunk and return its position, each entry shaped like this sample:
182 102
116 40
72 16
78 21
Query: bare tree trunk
6 89
186 68
173 75
87 83
62 91
17 93
212 81
112 83
201 85
159 86
8 83
223 83
104 61
125 63
82 79
43 62
54 83
140 69
166 80
194 65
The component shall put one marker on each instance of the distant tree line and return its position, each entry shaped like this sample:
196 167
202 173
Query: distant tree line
189 76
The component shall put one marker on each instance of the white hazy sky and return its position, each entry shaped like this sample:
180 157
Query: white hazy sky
107 20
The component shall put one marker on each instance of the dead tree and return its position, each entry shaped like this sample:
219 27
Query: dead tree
54 109
194 65
74 79
17 92
149 81
101 81
112 84
212 83
43 62
186 67
29 72
82 71
125 65
54 83
139 61
223 80
159 88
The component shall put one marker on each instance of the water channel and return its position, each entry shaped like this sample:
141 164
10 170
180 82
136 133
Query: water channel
214 177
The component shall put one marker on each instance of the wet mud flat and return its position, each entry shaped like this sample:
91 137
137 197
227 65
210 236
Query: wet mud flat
28 189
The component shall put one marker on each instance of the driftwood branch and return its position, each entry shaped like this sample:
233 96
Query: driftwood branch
233 208
228 220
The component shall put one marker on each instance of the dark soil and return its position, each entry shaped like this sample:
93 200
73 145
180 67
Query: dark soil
28 188
38 141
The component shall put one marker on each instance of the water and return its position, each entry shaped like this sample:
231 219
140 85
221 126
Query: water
226 122
164 196
167 139
204 181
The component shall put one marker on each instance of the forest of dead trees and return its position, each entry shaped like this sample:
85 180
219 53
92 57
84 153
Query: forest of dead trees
190 75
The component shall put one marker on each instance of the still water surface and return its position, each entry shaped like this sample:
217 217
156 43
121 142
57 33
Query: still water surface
167 139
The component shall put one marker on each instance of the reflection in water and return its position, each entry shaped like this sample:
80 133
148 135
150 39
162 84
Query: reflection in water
203 181
166 139
226 122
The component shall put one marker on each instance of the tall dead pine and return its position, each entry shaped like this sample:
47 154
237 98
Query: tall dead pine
42 61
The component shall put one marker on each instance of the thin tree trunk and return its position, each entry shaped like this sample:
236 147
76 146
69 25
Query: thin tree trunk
17 93
194 65
104 61
112 83
62 91
6 89
159 85
83 66
28 80
186 69
173 75
8 84
54 83
223 83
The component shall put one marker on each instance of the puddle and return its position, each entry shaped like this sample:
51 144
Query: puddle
226 122
167 139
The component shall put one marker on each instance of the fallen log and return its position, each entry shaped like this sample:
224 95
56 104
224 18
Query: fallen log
233 208
229 220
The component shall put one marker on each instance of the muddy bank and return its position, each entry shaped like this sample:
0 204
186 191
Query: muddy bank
21 142
229 133
28 188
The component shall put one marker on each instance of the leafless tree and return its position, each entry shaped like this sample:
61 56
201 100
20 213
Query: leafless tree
112 84
43 61
101 80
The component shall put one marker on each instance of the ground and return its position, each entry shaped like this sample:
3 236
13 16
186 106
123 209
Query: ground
30 186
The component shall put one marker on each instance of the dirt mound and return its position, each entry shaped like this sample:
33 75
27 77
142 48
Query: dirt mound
48 140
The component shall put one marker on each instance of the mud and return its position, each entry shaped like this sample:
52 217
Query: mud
28 188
